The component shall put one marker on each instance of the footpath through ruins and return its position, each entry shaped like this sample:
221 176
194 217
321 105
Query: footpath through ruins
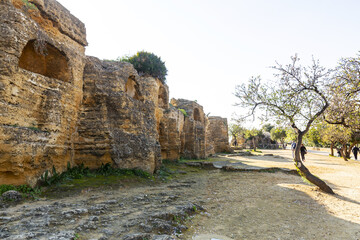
235 196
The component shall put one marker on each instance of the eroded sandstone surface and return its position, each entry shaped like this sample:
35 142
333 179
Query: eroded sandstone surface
217 135
171 133
117 122
194 130
41 71
59 107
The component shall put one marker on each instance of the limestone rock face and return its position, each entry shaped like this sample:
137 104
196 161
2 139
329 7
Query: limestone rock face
58 106
169 120
158 93
193 136
117 123
217 135
41 71
170 133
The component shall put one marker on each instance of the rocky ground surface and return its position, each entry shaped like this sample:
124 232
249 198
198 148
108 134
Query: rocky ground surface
140 210
256 198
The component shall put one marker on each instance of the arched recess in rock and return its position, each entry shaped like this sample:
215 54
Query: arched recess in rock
132 88
49 61
163 97
196 115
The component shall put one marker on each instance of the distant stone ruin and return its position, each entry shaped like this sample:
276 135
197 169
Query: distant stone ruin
217 136
194 130
59 106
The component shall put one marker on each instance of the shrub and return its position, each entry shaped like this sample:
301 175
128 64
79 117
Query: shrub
148 64
183 111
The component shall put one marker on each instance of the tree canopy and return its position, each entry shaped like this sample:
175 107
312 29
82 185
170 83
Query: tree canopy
267 127
345 104
278 134
253 135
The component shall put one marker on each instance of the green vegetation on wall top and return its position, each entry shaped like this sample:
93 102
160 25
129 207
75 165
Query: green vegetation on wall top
147 64
183 111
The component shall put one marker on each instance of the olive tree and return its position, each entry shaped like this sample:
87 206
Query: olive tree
334 134
345 107
313 137
296 95
267 127
236 131
278 134
253 135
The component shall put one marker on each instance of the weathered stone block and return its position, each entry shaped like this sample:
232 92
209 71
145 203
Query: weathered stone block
41 67
170 133
56 106
117 123
217 135
193 138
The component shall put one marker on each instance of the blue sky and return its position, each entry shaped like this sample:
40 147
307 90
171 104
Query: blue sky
210 46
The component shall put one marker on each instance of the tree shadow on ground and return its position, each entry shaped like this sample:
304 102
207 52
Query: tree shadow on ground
343 198
269 206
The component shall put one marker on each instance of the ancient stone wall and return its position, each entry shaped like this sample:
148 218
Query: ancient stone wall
117 123
41 70
58 106
193 135
170 133
217 138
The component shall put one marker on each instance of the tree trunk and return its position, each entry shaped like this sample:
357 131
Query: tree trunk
348 153
283 144
305 172
254 145
332 149
343 151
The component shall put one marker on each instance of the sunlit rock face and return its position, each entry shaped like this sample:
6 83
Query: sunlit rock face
193 135
169 120
217 138
58 106
170 133
117 121
41 76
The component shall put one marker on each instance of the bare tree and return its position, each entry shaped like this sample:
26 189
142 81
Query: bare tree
296 95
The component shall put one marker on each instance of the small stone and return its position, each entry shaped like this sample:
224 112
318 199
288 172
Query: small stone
94 218
12 195
136 236
113 201
163 237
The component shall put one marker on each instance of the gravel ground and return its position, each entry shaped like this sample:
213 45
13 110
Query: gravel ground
202 205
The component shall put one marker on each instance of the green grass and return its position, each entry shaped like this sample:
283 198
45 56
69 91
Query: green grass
25 190
80 178
29 5
252 151
78 172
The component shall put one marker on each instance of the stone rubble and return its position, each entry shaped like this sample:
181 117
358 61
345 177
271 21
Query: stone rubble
150 212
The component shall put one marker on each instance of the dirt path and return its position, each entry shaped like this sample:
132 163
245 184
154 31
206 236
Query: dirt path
281 206
238 205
